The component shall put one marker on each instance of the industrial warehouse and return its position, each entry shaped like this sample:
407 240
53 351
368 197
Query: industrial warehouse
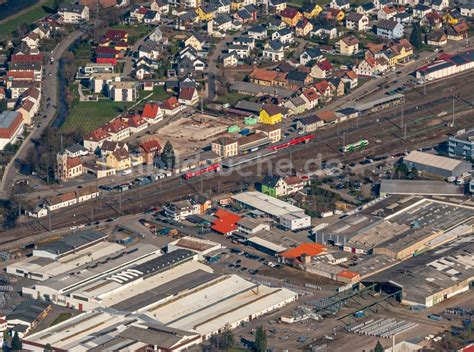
445 66
174 291
430 278
436 165
287 215
399 227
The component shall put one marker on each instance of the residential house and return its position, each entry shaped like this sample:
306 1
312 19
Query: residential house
386 13
188 96
339 86
136 123
296 105
274 186
32 40
250 42
206 12
432 20
152 113
420 11
350 78
324 29
258 32
160 6
152 17
370 67
270 114
367 9
230 59
247 14
328 117
119 160
439 5
143 72
108 147
195 40
298 78
171 106
340 4
458 31
348 46
309 55
357 22
291 16
138 13
285 36
272 132
68 167
437 38
117 129
321 69
225 147
309 124
76 150
105 55
73 13
277 6
150 150
242 51
273 51
332 14
268 78
389 29
311 98
310 10
325 90
404 18
125 91
219 25
61 201
156 36
94 140
303 27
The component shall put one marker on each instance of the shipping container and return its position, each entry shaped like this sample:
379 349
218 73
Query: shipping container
249 121
233 129
245 132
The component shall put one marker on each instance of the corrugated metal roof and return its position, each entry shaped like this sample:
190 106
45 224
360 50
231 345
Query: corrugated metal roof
437 161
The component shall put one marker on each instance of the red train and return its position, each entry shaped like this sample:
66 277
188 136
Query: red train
294 141
191 174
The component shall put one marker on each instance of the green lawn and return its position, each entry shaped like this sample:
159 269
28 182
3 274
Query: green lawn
135 32
341 59
89 115
33 14
60 318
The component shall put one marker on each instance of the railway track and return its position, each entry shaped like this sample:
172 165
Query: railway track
420 115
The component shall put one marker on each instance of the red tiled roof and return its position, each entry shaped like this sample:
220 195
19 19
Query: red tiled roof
289 12
97 135
327 116
136 121
22 75
27 105
8 132
310 249
151 146
311 94
115 126
322 86
348 274
187 93
224 214
170 104
325 65
26 58
115 35
73 162
150 110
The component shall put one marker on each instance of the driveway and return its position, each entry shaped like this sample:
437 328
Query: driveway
49 89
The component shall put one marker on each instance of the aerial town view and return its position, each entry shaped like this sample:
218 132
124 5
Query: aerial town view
237 175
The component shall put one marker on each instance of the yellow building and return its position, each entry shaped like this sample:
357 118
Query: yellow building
270 114
449 18
403 52
118 160
311 10
236 5
291 16
205 13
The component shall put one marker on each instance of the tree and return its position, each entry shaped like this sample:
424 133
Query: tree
260 340
415 38
16 344
378 347
167 156
226 339
402 170
48 348
56 4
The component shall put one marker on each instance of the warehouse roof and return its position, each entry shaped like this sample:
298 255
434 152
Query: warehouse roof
156 335
428 273
437 161
266 244
71 242
267 204
420 187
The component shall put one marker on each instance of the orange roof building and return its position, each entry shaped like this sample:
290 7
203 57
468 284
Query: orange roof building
347 276
226 222
308 249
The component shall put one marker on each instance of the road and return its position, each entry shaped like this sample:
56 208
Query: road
213 71
49 89
128 67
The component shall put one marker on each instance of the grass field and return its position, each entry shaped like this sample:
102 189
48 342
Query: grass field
135 32
27 17
232 98
87 116
60 318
